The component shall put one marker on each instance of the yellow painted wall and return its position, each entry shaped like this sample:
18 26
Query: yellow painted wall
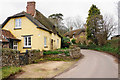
29 28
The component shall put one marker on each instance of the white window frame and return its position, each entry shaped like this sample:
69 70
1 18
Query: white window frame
27 44
45 41
18 23
15 45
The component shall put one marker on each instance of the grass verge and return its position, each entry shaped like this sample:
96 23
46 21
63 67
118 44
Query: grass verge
8 71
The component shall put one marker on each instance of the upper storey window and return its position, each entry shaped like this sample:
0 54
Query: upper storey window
18 23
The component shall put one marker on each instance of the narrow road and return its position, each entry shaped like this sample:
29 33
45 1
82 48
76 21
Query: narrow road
94 65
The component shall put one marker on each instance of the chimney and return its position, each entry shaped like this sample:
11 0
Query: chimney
30 9
71 28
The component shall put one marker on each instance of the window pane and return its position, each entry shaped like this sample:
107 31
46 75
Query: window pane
25 41
19 22
16 22
15 45
45 41
29 41
57 41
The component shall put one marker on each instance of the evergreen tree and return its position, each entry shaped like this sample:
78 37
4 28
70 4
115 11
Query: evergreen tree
94 24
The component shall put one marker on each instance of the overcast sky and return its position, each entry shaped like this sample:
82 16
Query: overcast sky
69 8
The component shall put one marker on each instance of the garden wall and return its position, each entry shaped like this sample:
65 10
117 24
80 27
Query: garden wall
10 57
14 58
74 52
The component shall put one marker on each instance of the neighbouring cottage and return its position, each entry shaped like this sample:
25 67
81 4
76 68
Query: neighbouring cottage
115 37
78 34
29 30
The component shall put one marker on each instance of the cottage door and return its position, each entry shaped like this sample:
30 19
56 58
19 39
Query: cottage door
51 43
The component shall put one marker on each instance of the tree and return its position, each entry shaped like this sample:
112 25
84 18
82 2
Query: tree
57 20
99 28
94 24
77 22
74 22
109 25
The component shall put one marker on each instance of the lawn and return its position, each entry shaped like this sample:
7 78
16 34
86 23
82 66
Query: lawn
7 71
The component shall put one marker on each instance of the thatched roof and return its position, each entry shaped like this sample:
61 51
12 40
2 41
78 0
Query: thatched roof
74 32
38 19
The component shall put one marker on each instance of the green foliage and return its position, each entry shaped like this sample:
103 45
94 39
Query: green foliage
7 71
67 53
111 47
57 19
93 11
65 42
34 51
94 20
8 51
74 41
51 52
56 16
56 52
55 59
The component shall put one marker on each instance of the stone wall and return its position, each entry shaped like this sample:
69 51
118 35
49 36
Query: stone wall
74 52
10 57
14 58
33 55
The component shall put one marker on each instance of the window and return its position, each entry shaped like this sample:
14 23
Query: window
58 42
27 41
15 46
18 23
45 41
73 36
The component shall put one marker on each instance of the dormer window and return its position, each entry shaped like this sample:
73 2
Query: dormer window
18 23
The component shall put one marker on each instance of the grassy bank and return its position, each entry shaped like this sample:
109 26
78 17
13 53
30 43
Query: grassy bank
112 46
8 71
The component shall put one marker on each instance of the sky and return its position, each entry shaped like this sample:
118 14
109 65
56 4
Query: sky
69 8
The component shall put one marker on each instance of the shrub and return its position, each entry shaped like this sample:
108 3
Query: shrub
65 42
67 53
74 41
7 51
51 52
34 51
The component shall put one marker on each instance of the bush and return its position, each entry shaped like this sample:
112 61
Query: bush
51 52
56 52
7 51
74 41
34 51
67 53
65 42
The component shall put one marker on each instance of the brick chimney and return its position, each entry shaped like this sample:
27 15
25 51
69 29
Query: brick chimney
30 9
71 28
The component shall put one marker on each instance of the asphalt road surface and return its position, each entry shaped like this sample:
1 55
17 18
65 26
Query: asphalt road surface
94 65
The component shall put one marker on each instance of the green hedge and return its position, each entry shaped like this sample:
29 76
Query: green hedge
56 52
112 46
9 51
